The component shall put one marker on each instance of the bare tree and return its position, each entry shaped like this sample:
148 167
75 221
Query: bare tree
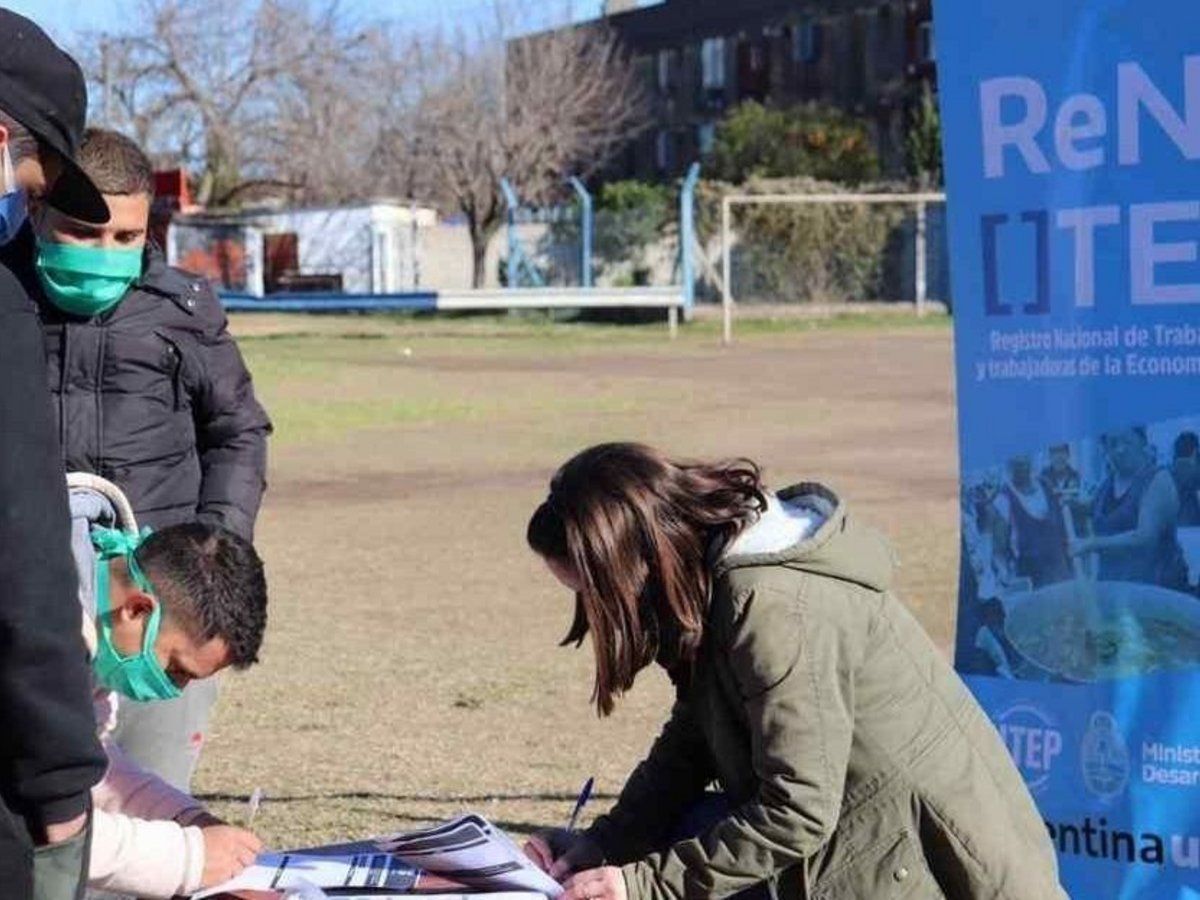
534 110
285 97
241 92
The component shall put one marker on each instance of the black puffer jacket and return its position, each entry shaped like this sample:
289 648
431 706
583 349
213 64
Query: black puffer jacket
49 755
154 396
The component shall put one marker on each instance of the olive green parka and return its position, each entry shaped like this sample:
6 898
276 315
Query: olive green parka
857 764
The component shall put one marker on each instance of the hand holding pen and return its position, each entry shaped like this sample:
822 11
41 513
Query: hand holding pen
585 794
563 851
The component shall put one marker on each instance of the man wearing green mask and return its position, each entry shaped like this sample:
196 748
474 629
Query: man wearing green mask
86 270
160 610
149 391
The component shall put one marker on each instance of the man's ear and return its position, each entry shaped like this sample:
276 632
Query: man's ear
138 604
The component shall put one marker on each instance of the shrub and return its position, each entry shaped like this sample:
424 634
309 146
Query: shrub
756 141
923 143
826 253
632 218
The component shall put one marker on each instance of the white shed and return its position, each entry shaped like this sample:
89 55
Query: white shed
370 248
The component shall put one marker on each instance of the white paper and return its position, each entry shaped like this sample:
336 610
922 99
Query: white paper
278 871
486 895
473 851
468 852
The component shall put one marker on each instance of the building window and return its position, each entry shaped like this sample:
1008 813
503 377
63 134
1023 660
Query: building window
662 150
926 51
706 137
756 59
806 42
664 71
712 63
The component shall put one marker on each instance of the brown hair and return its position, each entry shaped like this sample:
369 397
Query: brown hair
115 163
638 529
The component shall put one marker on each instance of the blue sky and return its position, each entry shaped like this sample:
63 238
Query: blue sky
65 18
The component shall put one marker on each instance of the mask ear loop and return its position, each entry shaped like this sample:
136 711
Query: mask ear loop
104 604
143 583
152 625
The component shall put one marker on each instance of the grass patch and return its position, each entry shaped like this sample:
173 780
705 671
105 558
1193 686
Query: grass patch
294 335
526 329
358 373
412 630
300 421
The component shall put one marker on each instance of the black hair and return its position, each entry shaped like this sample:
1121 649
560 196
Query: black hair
211 582
1187 444
1138 431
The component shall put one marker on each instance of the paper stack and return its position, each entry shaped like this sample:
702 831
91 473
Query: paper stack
468 855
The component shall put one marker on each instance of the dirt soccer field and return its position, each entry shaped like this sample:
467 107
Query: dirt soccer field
411 669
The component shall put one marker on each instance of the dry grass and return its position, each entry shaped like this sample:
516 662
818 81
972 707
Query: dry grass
411 670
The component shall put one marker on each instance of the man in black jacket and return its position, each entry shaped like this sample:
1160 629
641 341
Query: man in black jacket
149 391
49 755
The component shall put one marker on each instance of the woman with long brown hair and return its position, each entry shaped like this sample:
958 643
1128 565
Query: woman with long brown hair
852 762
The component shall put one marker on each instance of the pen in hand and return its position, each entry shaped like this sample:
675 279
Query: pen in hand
584 795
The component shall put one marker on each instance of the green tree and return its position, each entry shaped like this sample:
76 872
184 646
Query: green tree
756 141
631 216
923 143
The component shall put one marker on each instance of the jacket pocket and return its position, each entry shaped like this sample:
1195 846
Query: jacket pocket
60 870
892 869
173 365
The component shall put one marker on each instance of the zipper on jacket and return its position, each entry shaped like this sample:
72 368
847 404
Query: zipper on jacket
176 355
98 387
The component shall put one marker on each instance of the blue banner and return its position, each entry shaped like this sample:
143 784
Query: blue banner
1072 138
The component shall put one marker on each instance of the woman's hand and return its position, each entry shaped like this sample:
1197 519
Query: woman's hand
607 883
559 852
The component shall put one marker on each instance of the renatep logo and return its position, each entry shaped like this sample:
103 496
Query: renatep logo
1032 740
1105 757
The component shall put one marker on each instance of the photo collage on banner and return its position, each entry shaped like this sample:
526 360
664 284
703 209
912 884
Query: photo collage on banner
1072 137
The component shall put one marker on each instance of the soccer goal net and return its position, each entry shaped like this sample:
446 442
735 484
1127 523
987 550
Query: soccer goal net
834 248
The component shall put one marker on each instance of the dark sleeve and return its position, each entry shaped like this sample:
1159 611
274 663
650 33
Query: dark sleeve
231 429
658 793
51 756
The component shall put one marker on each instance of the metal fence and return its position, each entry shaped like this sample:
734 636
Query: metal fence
834 248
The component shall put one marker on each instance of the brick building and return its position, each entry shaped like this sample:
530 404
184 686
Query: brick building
700 58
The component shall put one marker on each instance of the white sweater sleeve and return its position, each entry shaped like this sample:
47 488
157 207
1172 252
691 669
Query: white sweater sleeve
138 842
129 789
151 859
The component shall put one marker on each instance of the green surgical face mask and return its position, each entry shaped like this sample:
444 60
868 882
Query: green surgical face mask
86 281
139 677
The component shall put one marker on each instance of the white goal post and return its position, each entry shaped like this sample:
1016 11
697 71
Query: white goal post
920 200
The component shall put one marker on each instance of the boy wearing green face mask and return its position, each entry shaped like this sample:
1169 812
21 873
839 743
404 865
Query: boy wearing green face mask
159 611
149 391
